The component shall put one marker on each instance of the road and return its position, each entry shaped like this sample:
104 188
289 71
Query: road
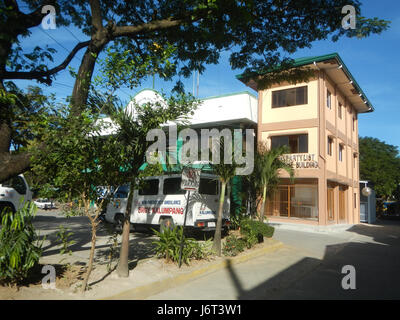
309 266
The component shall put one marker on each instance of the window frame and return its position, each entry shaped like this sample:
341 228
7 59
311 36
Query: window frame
328 99
141 190
341 149
296 98
289 136
330 146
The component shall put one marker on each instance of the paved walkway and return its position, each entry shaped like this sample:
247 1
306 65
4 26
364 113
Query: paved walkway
294 265
309 267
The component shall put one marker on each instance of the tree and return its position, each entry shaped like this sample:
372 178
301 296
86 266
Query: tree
268 165
225 172
379 164
75 160
255 31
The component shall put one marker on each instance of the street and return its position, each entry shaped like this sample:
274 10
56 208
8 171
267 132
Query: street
309 266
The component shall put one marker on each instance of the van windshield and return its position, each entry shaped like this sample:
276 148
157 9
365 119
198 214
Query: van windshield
122 191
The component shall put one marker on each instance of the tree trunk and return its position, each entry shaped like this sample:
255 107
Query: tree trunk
263 203
123 267
13 164
217 235
83 79
93 222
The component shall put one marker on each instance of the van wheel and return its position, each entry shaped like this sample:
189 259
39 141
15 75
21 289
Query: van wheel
166 223
119 222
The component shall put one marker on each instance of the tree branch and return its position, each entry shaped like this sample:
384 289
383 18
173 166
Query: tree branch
96 15
44 76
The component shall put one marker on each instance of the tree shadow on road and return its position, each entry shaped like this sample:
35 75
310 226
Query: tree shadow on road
376 262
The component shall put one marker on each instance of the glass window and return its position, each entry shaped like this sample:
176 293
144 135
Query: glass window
279 141
173 186
208 186
341 148
149 187
289 97
355 200
294 201
330 143
122 191
328 99
330 204
16 183
296 143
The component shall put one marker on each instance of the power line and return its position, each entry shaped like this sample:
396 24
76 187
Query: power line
69 51
63 84
70 32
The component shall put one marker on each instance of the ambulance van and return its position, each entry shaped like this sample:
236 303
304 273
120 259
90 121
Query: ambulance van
161 202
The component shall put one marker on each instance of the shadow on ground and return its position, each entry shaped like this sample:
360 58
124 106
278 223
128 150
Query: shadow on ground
376 262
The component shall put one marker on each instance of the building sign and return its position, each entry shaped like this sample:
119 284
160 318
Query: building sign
301 160
190 179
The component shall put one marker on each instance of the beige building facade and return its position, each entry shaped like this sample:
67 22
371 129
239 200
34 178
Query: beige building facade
318 121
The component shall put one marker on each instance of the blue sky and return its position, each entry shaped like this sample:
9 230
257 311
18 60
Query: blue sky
374 62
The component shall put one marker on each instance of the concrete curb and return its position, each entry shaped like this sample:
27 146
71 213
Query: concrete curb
142 292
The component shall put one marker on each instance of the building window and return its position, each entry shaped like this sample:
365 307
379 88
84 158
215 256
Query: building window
294 201
355 200
297 143
331 204
330 145
340 110
342 203
328 99
289 97
341 148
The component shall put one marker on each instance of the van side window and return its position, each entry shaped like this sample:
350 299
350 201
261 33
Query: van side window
208 186
149 187
173 186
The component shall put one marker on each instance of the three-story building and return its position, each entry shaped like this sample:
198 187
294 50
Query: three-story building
318 121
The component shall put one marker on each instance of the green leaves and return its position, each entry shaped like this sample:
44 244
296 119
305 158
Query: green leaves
19 247
168 246
64 239
379 164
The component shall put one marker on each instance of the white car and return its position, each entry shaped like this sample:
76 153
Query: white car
44 204
14 193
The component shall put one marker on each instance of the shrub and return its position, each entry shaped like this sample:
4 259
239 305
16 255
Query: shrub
250 228
169 242
233 246
19 250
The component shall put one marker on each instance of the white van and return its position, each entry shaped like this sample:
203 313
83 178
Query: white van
14 193
162 202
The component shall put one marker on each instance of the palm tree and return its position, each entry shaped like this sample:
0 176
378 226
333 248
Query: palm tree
225 172
268 163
